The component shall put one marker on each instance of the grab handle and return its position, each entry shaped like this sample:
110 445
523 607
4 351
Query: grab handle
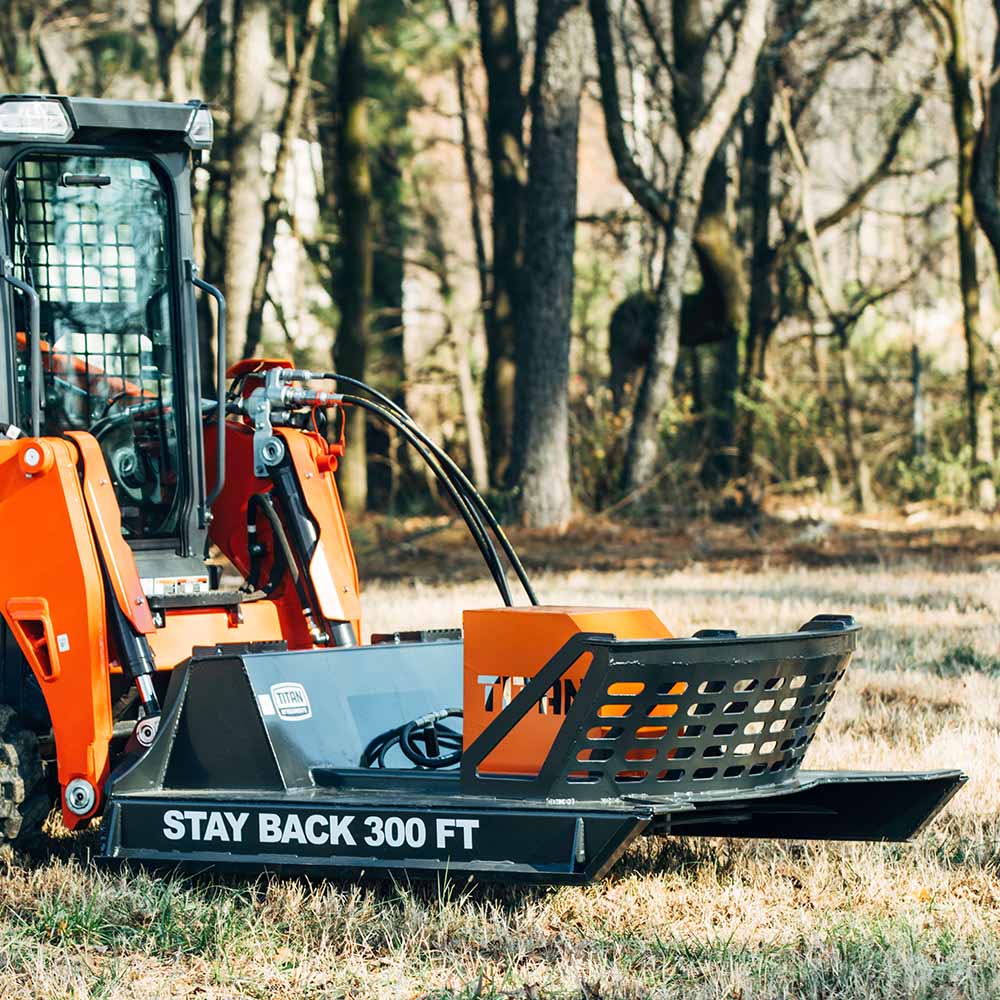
220 378
34 342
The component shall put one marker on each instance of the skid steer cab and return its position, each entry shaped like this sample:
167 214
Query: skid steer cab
247 724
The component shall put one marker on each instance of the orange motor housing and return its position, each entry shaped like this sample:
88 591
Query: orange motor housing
506 647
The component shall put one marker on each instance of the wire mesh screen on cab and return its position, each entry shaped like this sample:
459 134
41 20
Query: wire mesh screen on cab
91 235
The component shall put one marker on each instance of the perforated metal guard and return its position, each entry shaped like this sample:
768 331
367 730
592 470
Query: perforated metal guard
665 717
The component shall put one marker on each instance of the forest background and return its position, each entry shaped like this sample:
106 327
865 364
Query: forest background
632 257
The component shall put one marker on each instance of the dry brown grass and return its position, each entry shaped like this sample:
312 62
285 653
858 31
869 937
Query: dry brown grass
691 919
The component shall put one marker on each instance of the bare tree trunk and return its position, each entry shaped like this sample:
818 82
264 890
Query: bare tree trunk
472 180
655 390
478 462
505 142
11 33
213 64
833 304
210 203
478 456
721 262
760 309
288 130
986 178
861 473
250 63
354 284
701 127
541 415
919 412
977 378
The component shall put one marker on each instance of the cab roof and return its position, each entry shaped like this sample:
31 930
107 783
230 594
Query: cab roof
156 125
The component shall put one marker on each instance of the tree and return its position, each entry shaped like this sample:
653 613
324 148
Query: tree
986 174
289 127
170 24
250 58
701 114
479 465
353 289
948 19
805 47
541 414
501 54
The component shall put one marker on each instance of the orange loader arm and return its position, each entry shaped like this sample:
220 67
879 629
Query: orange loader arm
64 521
52 597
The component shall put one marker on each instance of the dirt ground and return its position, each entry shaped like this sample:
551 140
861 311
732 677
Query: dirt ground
678 918
439 549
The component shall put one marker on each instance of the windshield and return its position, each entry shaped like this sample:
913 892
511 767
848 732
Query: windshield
91 235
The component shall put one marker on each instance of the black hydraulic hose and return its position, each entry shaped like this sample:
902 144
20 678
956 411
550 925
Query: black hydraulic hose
455 469
283 560
467 511
428 729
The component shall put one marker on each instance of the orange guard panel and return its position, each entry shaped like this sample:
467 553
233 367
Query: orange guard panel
506 647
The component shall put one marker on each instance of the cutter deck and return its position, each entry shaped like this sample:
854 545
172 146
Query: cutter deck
284 799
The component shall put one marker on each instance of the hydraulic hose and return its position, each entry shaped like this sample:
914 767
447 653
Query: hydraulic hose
428 729
468 511
455 473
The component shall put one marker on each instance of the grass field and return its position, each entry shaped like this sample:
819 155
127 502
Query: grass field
678 918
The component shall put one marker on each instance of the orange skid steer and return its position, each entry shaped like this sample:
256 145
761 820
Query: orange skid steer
252 727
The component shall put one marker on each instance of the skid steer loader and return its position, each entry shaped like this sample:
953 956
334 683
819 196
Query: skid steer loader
252 727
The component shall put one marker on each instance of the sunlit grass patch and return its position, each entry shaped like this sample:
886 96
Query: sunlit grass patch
678 918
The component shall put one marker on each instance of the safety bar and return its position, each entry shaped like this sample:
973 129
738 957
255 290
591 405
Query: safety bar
220 380
34 341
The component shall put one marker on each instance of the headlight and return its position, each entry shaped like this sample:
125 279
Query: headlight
201 131
34 119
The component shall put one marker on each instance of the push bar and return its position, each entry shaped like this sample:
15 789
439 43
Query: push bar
35 342
220 379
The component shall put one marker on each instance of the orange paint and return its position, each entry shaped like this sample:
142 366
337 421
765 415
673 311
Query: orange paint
52 597
186 628
106 519
505 647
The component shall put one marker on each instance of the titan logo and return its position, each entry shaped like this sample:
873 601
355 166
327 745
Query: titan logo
498 692
291 702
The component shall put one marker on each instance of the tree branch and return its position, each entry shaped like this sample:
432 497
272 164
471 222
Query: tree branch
719 112
630 172
724 14
655 33
880 172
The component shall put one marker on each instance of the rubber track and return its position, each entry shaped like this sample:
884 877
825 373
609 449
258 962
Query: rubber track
24 796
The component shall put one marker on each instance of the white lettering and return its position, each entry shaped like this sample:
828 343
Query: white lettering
467 826
416 832
340 830
447 827
315 832
316 828
376 836
194 817
237 823
293 830
269 828
445 831
395 831
173 824
215 828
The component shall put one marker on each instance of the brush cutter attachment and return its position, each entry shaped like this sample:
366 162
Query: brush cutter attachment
257 759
